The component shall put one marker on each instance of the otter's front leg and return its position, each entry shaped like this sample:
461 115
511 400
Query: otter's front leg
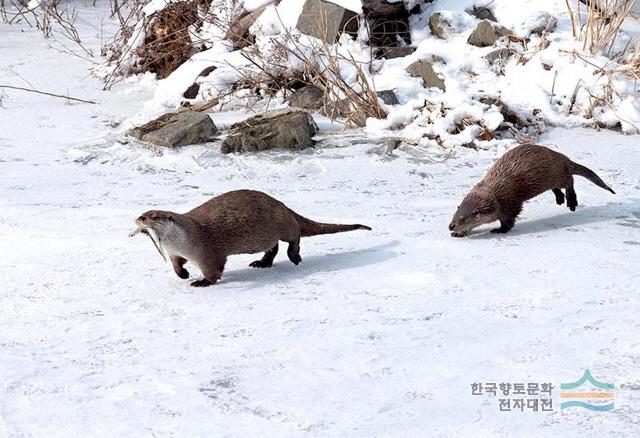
212 271
505 226
178 266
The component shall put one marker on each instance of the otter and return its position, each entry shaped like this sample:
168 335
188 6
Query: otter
522 173
237 222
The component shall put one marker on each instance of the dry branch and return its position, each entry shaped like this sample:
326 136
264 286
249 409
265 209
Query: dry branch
11 87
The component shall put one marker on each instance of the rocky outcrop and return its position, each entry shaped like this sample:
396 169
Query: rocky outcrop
288 128
326 21
176 129
423 69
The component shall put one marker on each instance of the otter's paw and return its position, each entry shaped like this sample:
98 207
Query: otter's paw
260 264
201 283
184 274
461 234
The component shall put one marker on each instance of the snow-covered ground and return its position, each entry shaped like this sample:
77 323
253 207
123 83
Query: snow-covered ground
374 334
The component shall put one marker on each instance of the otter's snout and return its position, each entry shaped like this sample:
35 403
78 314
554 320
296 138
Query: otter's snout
452 226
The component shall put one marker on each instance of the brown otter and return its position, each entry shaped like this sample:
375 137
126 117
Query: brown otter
519 175
238 222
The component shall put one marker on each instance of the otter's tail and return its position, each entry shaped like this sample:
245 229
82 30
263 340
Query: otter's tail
579 169
312 228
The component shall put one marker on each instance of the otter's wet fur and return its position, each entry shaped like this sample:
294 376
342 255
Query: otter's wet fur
522 173
238 222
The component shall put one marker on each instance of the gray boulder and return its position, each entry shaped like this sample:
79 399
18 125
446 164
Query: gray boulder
423 69
498 55
486 34
176 129
539 23
326 21
394 52
288 128
482 13
308 97
388 97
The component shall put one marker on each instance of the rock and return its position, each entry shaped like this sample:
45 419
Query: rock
539 23
394 52
388 22
498 55
438 25
288 128
482 13
486 34
344 109
388 97
423 69
238 31
192 91
176 129
326 21
207 71
308 97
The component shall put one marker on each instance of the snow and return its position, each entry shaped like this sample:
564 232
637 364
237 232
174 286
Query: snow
375 333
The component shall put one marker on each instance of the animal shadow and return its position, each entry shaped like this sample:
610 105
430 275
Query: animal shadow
622 212
283 270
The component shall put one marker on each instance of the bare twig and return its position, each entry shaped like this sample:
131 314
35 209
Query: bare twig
11 87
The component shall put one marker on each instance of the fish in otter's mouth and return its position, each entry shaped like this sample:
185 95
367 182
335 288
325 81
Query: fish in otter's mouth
153 235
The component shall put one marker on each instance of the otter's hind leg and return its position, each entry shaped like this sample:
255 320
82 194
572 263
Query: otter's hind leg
267 260
178 263
559 196
293 252
572 198
212 272
505 226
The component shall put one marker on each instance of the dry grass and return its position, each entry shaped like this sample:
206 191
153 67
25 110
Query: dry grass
597 23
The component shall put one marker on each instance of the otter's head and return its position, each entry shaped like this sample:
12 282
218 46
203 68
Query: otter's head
164 229
476 209
157 220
